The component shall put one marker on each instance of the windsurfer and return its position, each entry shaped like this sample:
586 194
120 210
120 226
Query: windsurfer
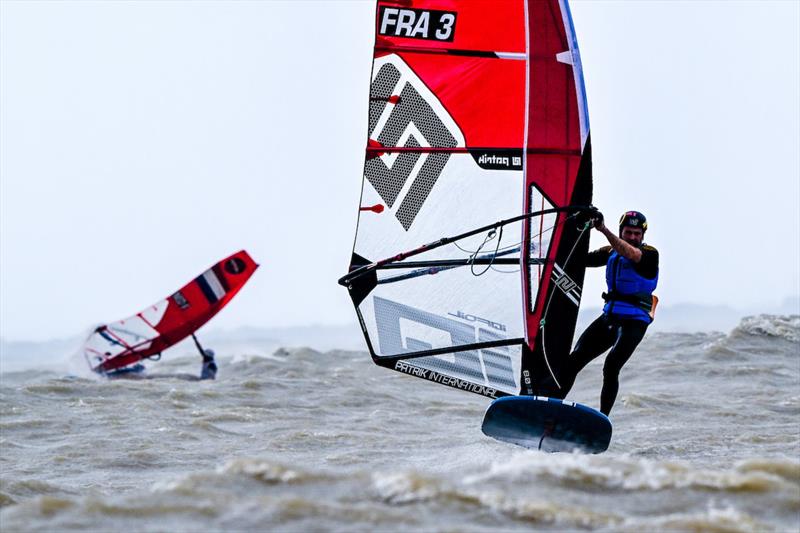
209 368
631 276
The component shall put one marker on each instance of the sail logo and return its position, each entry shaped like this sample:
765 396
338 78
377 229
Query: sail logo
566 284
436 377
487 159
472 318
498 159
404 113
569 287
526 379
417 23
180 300
405 329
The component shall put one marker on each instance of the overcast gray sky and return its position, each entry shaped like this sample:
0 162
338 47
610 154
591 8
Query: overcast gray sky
140 142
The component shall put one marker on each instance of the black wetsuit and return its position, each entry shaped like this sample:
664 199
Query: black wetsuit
622 335
209 368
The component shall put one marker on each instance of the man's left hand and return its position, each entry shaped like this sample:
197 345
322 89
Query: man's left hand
597 220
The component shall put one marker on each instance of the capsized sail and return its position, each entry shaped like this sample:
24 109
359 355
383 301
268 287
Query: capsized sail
147 333
469 273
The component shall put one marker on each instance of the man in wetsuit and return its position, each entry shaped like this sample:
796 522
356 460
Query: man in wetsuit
631 276
209 368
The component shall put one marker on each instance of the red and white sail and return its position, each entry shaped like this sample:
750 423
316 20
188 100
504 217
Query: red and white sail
477 114
167 322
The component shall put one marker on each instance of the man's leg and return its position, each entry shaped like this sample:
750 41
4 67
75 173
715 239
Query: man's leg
630 334
597 338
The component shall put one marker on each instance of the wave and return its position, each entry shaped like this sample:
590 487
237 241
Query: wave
258 493
506 489
591 473
266 471
410 487
786 327
406 488
757 336
29 423
6 500
27 489
655 402
788 470
712 520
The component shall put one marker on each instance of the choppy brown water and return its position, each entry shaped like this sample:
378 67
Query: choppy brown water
706 438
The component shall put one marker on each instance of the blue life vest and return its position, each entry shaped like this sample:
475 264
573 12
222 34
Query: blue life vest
209 370
630 295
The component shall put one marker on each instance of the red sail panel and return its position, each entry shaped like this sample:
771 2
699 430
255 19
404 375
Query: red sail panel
558 173
450 47
171 320
484 96
455 25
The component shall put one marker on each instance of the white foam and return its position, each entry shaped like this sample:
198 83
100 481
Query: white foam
781 326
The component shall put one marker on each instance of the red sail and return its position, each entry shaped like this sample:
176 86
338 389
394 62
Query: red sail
477 114
171 320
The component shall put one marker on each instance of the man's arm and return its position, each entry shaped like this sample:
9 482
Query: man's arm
621 247
598 257
197 343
